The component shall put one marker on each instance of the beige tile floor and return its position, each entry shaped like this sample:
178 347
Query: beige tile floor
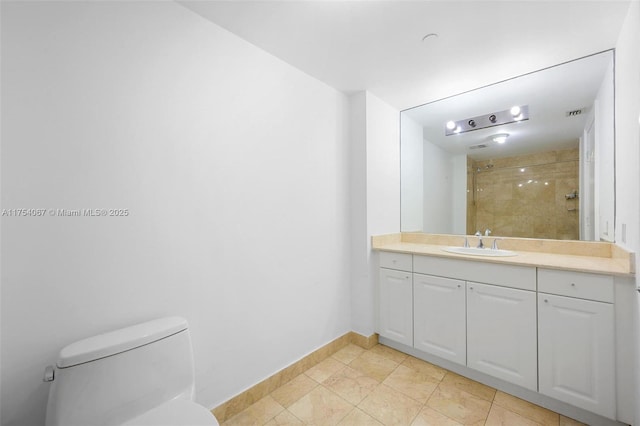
382 386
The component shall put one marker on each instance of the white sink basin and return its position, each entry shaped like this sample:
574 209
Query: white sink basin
474 251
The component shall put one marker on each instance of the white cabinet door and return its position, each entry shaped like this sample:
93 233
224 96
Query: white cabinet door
439 313
501 333
576 352
396 306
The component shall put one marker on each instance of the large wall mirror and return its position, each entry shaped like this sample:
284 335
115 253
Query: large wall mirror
546 172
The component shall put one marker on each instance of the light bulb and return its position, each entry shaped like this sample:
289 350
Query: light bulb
451 125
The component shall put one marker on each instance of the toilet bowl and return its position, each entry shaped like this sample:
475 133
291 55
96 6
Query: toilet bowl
139 375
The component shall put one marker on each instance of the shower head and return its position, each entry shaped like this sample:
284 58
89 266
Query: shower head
487 167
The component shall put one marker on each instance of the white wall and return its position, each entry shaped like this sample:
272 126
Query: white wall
375 169
383 166
438 190
433 184
411 178
627 73
362 314
233 166
459 194
604 158
627 105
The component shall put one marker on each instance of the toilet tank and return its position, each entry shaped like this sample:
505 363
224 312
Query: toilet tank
110 378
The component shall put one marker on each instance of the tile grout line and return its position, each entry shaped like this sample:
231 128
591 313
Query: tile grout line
248 397
317 384
422 405
389 357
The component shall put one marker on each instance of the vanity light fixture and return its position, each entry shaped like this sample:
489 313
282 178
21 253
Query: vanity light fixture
512 115
500 137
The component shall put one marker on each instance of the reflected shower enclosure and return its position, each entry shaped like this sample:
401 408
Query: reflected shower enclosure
531 196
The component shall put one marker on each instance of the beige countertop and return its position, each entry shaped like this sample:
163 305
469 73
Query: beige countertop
581 256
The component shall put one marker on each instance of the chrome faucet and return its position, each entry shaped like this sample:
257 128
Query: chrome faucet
479 235
487 232
495 244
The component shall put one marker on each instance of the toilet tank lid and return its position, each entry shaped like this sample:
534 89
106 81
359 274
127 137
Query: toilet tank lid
124 339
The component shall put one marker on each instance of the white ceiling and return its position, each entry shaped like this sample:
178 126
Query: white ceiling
377 45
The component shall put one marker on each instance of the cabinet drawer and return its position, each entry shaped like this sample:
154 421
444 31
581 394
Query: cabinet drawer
515 276
576 284
399 261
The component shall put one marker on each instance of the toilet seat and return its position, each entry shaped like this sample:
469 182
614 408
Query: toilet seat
177 412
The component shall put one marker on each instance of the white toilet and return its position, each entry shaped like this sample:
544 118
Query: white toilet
139 375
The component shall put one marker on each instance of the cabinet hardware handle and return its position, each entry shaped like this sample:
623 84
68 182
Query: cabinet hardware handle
459 285
470 288
573 284
546 300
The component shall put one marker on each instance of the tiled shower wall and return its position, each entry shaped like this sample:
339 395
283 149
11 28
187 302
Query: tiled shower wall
526 196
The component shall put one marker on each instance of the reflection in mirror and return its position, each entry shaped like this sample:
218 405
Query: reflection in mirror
548 175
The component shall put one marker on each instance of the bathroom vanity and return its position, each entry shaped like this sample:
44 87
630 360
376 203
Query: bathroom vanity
547 325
